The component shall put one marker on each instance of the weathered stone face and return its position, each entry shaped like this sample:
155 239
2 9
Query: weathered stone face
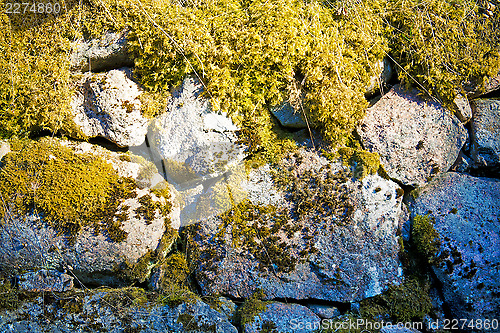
107 105
414 137
486 133
338 242
466 212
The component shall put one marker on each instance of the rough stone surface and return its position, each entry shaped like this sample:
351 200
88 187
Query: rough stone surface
288 116
485 150
324 311
195 142
107 105
4 148
343 253
467 215
464 110
384 72
45 280
106 53
28 243
473 88
284 318
414 137
99 313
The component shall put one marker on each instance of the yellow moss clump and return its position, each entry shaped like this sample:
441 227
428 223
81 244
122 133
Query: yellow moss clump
425 237
70 190
444 44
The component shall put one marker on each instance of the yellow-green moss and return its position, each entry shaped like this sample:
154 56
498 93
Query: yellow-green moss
175 271
404 303
364 162
442 45
9 298
70 190
251 308
425 237
175 296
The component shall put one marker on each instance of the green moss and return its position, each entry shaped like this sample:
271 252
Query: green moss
407 302
175 296
175 272
364 162
251 308
123 298
70 190
9 298
443 45
425 237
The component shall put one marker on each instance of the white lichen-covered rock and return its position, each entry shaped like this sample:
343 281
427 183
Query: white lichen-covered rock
485 150
466 211
45 280
107 105
463 109
329 237
284 318
106 53
194 141
415 138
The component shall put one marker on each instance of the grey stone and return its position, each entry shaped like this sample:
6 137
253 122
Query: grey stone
466 210
288 116
463 109
384 72
324 311
195 143
106 53
336 260
485 150
107 105
45 280
284 318
414 137
473 88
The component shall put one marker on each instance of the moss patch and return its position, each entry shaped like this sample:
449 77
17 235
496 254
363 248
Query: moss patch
425 237
70 190
251 308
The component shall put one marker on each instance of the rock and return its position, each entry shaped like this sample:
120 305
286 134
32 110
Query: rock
288 116
28 242
485 150
108 310
107 53
383 74
463 108
284 318
463 164
45 280
195 142
415 138
341 235
107 105
473 88
466 212
4 148
324 311
226 306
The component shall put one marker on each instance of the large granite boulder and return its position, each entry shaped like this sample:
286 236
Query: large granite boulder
325 237
466 215
107 105
194 142
106 53
485 150
283 318
118 249
415 138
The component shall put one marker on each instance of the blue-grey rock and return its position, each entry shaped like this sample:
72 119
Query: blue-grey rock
284 318
485 150
45 280
288 116
466 211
